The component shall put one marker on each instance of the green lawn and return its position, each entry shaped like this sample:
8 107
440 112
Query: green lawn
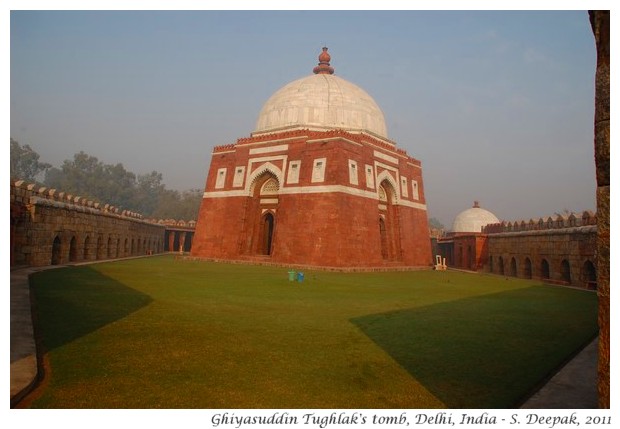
165 333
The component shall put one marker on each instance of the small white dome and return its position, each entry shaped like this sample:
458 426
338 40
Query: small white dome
473 219
321 101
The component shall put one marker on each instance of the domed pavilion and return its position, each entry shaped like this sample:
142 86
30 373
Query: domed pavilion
473 220
317 183
465 246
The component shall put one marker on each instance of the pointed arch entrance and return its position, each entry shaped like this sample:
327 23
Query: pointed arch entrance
388 222
261 216
73 250
56 251
268 224
589 275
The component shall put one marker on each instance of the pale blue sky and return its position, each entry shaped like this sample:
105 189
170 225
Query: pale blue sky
498 106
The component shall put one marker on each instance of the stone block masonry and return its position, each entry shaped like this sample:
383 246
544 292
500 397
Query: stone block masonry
51 228
556 252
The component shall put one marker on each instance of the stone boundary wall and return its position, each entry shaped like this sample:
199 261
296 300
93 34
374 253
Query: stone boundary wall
561 255
557 222
50 227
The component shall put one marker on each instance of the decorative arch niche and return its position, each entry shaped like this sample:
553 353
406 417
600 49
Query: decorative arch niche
388 219
261 210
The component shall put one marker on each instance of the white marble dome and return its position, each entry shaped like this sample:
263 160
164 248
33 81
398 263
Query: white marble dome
319 102
473 219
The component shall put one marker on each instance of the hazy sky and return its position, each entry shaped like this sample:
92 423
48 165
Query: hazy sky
498 106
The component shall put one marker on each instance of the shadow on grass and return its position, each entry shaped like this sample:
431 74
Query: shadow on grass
75 301
487 351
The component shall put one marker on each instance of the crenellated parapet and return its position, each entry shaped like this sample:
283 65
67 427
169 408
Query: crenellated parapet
224 148
51 227
28 194
558 221
317 134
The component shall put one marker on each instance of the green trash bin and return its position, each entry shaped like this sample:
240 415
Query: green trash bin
291 276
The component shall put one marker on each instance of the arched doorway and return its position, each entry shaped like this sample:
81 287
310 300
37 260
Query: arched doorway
388 212
500 263
589 275
86 248
527 268
544 269
268 224
513 267
56 251
100 249
73 250
261 214
565 271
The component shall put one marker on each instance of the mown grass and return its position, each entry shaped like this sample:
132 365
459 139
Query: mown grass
163 333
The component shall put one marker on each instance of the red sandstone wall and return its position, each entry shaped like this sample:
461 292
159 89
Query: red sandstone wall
333 228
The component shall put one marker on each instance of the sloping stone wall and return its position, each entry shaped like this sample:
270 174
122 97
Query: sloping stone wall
50 227
561 255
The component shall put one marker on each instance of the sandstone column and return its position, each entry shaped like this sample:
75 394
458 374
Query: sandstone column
600 27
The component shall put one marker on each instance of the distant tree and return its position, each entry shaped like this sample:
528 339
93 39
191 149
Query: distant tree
435 223
25 163
178 205
148 191
86 176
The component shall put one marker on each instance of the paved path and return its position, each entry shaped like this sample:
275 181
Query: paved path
23 350
574 386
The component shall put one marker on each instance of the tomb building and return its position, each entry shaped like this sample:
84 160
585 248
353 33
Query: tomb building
465 245
317 183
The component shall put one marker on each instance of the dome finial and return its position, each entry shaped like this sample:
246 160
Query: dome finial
323 67
476 205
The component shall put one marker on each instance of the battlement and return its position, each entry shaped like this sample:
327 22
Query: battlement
317 134
30 193
24 194
549 223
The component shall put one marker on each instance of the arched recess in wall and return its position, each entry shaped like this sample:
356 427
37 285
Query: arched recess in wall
126 248
471 258
86 248
544 269
268 226
56 251
589 274
565 271
73 250
490 264
383 238
260 228
388 211
110 247
527 268
118 248
500 265
513 267
100 249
